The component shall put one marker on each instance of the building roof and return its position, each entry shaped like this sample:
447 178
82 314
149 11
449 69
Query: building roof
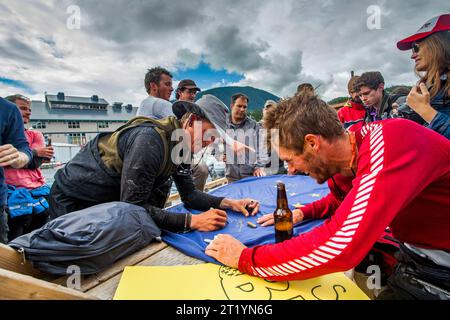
41 111
72 99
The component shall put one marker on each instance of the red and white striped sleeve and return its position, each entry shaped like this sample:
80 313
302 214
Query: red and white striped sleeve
344 239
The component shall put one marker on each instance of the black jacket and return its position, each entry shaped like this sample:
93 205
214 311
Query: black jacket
385 110
86 179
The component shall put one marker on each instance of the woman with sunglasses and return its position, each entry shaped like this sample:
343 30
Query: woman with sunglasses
430 99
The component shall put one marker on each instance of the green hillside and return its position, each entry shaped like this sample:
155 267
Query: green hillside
257 97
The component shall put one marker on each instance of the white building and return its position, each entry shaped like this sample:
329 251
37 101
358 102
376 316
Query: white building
76 120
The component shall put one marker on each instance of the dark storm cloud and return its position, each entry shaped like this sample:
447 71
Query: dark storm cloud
284 70
227 48
126 21
188 59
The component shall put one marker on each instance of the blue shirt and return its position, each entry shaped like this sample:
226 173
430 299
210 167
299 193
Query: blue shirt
11 132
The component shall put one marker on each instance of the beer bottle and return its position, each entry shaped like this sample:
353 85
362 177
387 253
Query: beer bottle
282 216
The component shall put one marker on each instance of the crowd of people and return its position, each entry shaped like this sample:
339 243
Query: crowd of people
385 157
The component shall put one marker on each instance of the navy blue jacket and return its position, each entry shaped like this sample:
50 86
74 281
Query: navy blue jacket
441 102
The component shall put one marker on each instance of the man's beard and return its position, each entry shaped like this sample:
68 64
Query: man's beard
318 169
320 175
160 95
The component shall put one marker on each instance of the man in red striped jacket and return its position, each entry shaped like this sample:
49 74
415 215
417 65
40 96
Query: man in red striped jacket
401 178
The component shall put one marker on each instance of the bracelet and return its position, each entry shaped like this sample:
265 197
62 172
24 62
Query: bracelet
187 222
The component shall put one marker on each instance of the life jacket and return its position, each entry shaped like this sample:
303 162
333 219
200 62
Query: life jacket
108 144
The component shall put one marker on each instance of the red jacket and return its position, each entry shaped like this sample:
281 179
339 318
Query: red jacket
351 113
402 181
339 186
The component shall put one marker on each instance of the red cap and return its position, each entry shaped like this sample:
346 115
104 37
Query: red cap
436 24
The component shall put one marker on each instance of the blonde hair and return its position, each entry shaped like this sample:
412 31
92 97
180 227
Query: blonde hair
436 50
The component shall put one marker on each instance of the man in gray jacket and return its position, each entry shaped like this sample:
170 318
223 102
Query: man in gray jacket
245 130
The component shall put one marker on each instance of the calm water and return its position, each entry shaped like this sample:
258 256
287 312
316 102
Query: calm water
49 175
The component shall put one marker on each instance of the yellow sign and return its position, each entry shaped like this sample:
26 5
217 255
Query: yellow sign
213 282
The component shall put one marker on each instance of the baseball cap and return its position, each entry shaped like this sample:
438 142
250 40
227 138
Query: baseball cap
208 107
188 84
436 24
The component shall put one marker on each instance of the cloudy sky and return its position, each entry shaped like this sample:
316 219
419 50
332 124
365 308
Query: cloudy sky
273 45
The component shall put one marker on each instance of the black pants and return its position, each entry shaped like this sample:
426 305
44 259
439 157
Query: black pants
3 225
417 278
11 228
25 224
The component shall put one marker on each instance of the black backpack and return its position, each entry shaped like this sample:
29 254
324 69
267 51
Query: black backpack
92 239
